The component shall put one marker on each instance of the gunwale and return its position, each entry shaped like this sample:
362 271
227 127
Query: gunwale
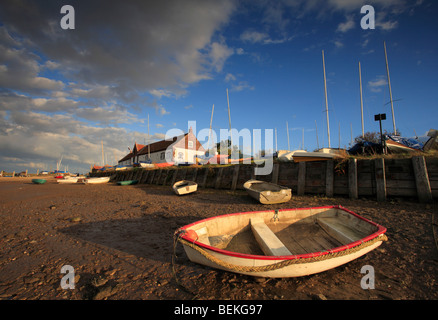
380 230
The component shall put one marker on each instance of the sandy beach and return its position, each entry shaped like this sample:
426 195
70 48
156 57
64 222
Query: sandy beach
120 242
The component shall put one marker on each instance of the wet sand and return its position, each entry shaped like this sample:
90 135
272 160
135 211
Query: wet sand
120 242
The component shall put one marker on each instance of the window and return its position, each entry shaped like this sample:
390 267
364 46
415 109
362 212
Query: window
162 156
190 144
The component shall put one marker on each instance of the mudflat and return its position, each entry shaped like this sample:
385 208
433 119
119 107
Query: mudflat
119 240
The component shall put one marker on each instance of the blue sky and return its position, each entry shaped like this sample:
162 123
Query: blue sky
63 92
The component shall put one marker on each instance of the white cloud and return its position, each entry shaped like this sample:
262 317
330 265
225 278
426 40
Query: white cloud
162 111
377 84
230 77
119 59
219 53
162 44
242 85
387 25
252 36
347 25
338 44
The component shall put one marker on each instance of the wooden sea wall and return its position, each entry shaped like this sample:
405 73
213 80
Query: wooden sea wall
379 178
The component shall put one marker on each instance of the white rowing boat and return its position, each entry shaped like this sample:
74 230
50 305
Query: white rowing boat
266 192
66 180
184 187
96 180
281 243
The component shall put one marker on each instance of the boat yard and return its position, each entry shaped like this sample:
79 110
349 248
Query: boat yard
120 242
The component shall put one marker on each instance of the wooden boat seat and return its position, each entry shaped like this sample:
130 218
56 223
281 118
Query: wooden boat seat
267 240
339 231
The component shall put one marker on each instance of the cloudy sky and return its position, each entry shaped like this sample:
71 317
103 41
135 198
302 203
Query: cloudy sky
64 92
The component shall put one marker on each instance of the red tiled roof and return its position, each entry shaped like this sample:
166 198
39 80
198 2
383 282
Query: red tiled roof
138 146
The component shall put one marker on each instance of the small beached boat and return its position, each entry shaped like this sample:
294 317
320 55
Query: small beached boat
321 155
266 192
39 181
96 180
127 182
281 243
184 187
68 180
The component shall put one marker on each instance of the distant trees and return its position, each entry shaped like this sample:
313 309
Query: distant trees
225 145
372 137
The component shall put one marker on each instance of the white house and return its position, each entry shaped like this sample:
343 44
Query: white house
181 149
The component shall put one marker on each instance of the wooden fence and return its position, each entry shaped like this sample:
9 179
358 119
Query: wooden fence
379 178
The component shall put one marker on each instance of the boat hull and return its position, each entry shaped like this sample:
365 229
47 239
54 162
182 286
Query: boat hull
184 187
267 193
314 239
288 271
313 156
68 180
127 182
97 180
39 181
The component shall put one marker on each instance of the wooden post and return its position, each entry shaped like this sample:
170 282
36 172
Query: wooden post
275 173
166 174
352 178
218 178
195 174
144 176
154 172
183 174
135 175
379 165
329 179
422 179
204 182
235 177
301 177
159 176
175 173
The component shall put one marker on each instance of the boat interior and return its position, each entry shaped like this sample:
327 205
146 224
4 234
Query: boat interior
284 232
263 186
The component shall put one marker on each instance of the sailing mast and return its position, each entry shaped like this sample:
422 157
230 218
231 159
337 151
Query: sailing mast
326 102
287 130
276 149
361 101
390 91
102 154
229 120
149 143
317 141
211 122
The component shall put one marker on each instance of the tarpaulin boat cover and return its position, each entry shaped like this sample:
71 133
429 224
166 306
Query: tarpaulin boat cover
409 142
365 147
